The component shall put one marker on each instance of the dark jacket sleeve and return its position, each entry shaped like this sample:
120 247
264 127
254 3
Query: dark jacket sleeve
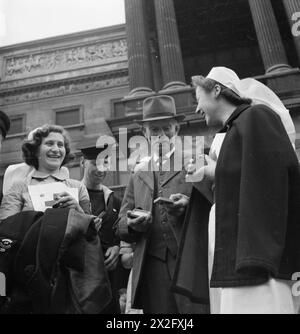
107 231
267 156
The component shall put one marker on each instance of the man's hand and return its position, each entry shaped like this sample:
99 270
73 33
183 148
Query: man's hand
67 201
127 260
139 224
180 202
111 258
98 223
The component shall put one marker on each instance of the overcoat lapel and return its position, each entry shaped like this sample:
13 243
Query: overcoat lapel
147 178
170 176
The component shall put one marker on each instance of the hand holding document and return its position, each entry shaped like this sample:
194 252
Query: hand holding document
44 196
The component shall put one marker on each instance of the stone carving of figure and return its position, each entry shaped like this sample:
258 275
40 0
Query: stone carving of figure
91 51
119 48
32 62
10 67
81 56
105 51
69 57
19 67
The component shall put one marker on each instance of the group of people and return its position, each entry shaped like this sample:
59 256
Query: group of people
228 242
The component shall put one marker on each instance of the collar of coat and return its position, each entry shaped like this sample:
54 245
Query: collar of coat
234 116
60 175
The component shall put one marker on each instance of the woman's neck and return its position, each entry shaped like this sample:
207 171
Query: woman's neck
227 111
47 171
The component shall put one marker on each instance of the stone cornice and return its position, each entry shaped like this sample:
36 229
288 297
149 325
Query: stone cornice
25 85
65 87
104 33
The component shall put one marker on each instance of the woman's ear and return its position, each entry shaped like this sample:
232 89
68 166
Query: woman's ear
217 90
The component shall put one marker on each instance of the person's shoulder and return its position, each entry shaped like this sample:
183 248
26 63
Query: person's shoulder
75 183
19 186
260 111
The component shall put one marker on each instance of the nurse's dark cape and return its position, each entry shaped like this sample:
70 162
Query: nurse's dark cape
258 160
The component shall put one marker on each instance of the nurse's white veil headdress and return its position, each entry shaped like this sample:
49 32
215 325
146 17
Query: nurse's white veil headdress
257 92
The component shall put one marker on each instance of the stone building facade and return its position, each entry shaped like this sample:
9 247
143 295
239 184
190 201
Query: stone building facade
72 80
100 78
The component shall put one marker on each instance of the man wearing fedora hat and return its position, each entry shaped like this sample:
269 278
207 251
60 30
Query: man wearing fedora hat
156 234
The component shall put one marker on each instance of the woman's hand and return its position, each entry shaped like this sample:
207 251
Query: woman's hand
207 171
210 168
67 201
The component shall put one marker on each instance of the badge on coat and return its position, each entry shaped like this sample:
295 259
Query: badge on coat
5 244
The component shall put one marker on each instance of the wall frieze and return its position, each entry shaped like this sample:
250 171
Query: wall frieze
64 59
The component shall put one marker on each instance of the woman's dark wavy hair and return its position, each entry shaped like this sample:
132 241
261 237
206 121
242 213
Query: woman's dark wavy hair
209 84
31 146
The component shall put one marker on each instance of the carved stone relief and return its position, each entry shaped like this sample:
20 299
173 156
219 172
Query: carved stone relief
64 59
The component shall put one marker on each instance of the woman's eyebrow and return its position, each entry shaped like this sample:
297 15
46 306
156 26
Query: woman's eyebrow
50 141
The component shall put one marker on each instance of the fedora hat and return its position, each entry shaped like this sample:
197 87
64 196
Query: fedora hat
160 107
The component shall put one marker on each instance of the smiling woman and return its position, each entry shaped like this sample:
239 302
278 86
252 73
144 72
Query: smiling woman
47 151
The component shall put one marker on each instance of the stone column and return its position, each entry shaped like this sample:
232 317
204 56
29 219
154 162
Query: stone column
292 8
139 62
268 35
169 45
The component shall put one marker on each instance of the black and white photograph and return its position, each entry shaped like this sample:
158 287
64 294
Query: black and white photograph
149 159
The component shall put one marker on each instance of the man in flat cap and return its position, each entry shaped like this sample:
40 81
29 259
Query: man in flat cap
157 234
106 206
